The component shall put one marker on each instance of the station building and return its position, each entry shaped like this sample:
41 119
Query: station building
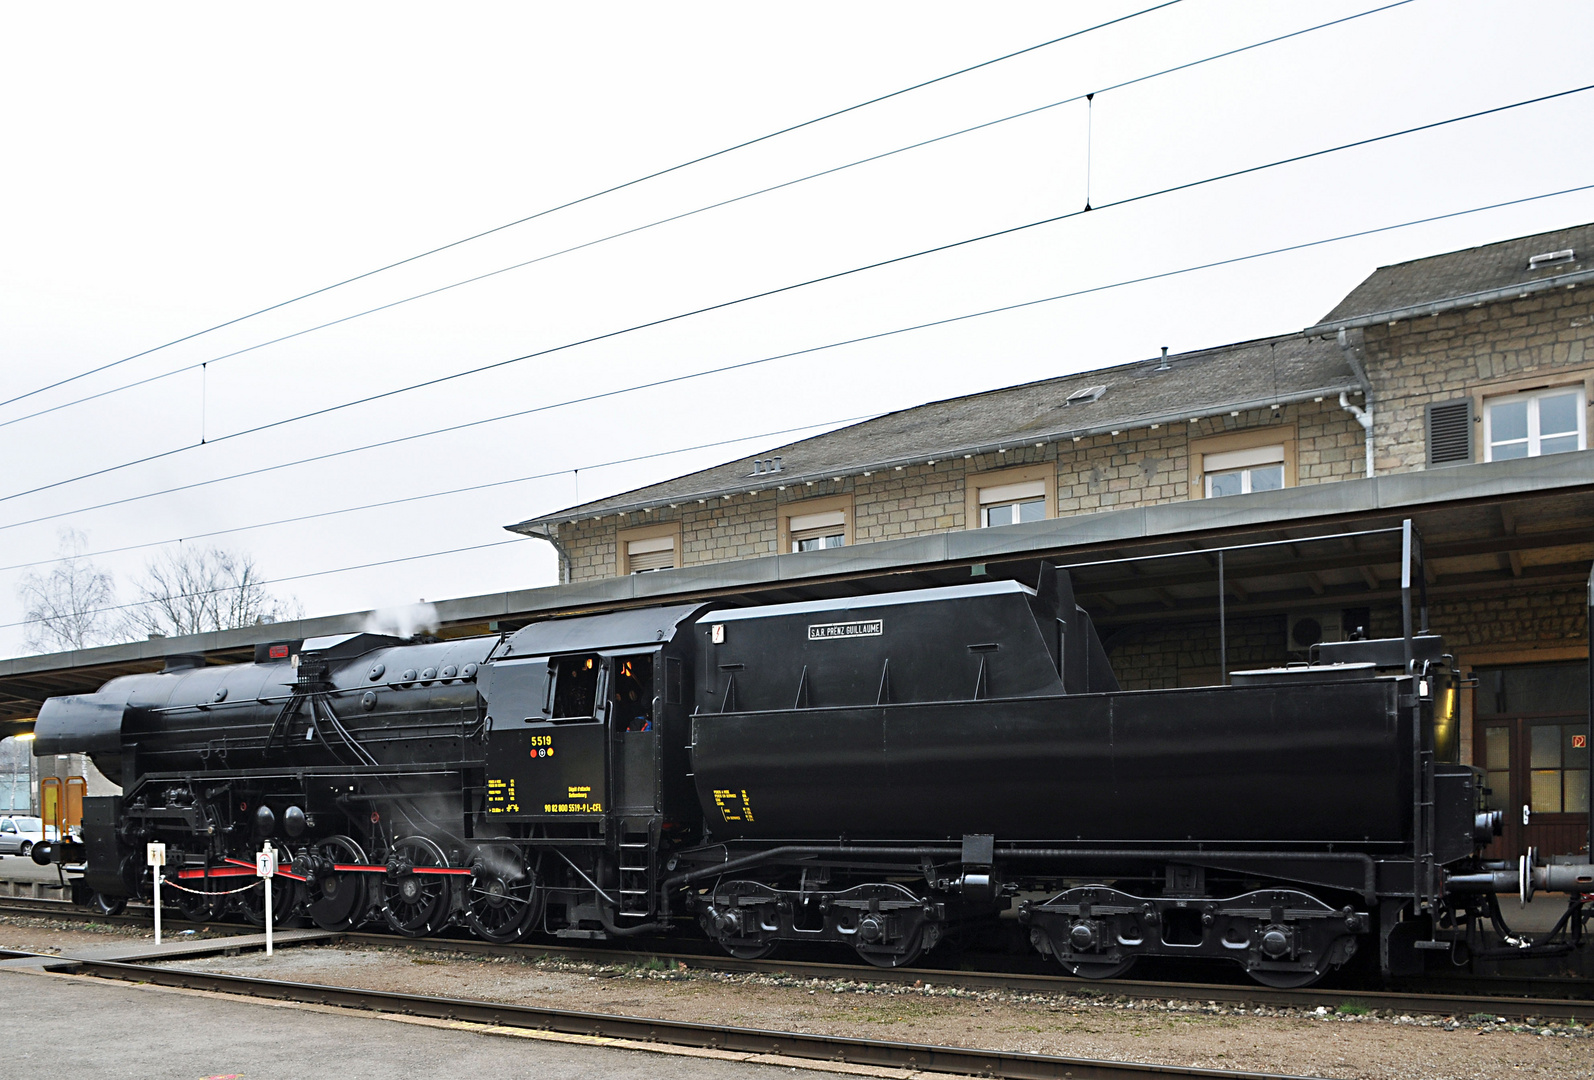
1452 392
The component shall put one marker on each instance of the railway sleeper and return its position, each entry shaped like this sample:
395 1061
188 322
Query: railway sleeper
1282 937
887 924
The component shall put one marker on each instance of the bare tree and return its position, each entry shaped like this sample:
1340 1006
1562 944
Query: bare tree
68 608
191 590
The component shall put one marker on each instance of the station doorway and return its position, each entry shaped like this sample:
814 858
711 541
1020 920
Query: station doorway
1530 732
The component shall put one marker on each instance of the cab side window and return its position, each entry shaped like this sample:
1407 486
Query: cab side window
632 693
576 688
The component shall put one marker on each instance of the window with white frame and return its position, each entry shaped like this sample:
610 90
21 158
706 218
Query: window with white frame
814 532
653 553
1009 504
1531 425
1240 472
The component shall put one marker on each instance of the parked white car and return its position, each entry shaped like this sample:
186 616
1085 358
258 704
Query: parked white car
18 834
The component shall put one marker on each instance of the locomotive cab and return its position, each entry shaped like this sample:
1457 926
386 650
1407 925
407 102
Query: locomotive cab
592 743
585 765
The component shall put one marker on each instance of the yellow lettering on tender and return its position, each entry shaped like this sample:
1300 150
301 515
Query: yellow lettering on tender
733 806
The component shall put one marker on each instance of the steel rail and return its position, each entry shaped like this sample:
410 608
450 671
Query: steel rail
1399 1001
1498 1003
922 1057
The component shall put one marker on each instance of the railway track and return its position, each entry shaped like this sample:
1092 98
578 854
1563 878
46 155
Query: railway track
1516 1005
643 1033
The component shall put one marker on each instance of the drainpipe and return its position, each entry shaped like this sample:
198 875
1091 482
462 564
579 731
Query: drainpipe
1364 412
550 534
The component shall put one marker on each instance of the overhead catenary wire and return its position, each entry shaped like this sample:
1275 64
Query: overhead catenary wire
1151 277
385 503
295 577
779 290
720 204
744 144
742 365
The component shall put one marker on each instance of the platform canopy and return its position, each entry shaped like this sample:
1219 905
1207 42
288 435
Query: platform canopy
1489 530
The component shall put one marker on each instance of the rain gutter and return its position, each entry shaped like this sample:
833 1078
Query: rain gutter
1452 303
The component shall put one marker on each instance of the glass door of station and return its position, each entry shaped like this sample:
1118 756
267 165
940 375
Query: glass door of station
1530 735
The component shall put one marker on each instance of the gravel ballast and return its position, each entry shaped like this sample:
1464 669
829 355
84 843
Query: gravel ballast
1348 1042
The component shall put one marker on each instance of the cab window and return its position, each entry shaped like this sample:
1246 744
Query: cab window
631 693
576 687
7 826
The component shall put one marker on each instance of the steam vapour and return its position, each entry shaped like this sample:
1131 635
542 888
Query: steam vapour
404 620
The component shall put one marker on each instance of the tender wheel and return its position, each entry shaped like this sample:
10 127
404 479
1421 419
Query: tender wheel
751 952
339 901
882 959
1285 980
107 905
1098 969
26 849
740 932
505 900
415 904
890 960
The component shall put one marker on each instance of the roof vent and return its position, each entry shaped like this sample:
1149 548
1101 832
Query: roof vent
1162 365
1552 258
762 466
1085 395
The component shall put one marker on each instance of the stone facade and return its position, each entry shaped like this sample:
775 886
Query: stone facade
1496 348
1101 472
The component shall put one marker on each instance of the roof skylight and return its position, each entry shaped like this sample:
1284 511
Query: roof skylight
1552 258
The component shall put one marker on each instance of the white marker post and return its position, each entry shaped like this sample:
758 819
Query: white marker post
155 856
266 867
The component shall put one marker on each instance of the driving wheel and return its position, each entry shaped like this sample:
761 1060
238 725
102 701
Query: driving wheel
285 896
339 900
505 899
415 904
203 904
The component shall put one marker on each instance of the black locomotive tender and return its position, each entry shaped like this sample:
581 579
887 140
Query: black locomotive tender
881 772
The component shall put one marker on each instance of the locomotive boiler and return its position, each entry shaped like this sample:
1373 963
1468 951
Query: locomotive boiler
879 772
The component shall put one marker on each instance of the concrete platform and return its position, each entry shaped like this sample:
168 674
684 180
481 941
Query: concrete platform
23 877
174 947
83 1027
1537 916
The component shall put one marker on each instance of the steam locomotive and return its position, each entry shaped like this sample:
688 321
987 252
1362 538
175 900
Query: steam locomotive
879 772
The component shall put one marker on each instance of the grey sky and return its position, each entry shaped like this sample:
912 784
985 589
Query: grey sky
168 168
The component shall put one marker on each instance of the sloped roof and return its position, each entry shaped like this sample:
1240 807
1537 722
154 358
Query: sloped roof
1465 277
1202 383
1250 374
